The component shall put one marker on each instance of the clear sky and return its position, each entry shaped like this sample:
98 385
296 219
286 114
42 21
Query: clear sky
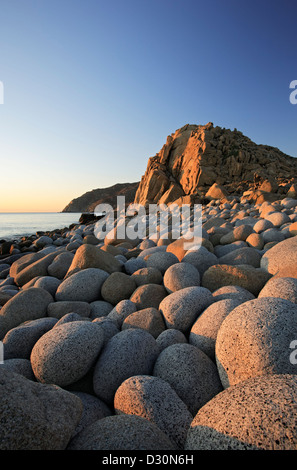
92 88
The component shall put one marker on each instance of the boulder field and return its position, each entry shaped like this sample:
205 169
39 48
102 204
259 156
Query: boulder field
151 343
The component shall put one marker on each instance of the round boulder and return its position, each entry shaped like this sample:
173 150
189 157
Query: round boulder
148 295
257 414
255 240
65 354
261 225
190 372
125 432
19 341
169 337
149 319
181 308
117 287
248 277
281 287
130 352
155 400
204 332
84 285
232 292
181 275
281 256
254 339
93 409
121 311
162 261
28 304
35 416
147 276
201 258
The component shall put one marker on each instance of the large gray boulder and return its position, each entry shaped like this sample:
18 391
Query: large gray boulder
169 337
148 295
35 416
28 304
118 286
254 339
19 341
19 366
201 258
181 308
130 352
121 311
124 432
204 331
281 287
60 308
149 319
93 409
65 354
154 399
246 276
84 285
281 256
257 414
190 372
181 275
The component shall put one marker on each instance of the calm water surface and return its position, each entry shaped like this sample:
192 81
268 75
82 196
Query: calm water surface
15 225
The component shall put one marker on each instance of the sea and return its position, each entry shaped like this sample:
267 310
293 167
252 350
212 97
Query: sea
14 225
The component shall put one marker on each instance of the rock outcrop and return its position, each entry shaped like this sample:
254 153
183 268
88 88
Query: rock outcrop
215 162
88 201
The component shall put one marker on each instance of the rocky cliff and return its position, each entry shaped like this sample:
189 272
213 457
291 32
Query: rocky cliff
88 201
200 160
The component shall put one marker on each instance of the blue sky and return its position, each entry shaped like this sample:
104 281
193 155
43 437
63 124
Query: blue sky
92 88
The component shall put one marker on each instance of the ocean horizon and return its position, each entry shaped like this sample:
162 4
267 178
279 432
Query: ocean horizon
14 225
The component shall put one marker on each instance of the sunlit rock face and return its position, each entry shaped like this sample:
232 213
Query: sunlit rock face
196 157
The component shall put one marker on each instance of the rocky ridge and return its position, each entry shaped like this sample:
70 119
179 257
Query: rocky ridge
88 201
198 161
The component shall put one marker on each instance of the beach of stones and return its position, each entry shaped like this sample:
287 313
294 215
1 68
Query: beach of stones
151 344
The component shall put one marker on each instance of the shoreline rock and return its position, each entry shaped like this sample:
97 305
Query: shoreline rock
218 301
